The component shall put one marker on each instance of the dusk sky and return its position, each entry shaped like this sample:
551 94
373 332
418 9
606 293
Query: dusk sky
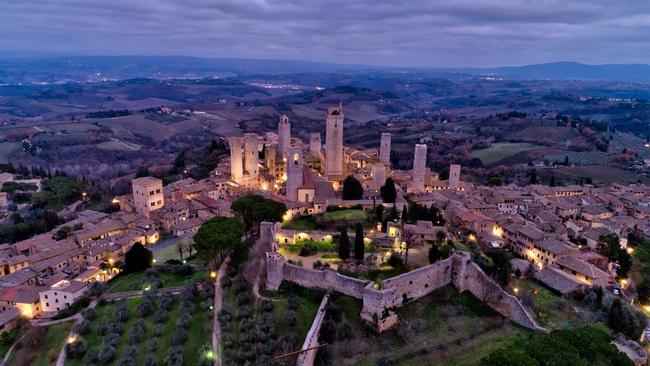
414 32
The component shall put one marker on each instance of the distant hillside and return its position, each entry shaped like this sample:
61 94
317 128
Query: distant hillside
578 71
102 68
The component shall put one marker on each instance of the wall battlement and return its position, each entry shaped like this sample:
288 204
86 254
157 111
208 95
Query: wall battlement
379 304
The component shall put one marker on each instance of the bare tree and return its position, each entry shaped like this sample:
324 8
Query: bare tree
408 239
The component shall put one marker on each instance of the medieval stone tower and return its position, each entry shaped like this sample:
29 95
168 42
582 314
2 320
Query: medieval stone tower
384 148
419 167
284 135
236 160
315 144
334 143
454 177
294 173
251 155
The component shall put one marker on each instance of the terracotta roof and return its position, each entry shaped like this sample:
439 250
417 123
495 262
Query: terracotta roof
581 266
557 280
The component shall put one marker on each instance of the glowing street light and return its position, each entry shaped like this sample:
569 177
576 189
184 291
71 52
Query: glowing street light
213 274
516 290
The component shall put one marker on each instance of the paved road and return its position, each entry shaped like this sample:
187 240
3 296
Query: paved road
218 297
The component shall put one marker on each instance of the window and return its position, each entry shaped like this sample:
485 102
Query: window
56 301
47 304
46 296
157 190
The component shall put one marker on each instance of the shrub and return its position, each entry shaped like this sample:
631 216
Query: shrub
106 355
157 330
166 301
184 321
290 318
121 312
92 356
83 327
245 311
267 306
125 362
76 307
174 356
130 351
118 328
243 298
76 349
152 344
145 308
111 339
150 361
89 313
179 337
161 316
136 334
105 327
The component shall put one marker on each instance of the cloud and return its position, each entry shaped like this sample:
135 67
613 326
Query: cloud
414 32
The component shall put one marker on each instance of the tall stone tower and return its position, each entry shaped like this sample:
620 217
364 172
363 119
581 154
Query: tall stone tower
294 172
236 160
251 155
284 134
454 177
147 194
315 144
334 143
384 148
269 159
419 167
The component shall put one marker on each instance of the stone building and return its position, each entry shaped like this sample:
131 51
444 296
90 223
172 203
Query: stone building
294 173
147 195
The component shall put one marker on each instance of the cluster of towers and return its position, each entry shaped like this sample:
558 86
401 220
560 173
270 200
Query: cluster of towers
288 161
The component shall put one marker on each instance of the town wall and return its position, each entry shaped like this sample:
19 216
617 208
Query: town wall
381 300
311 340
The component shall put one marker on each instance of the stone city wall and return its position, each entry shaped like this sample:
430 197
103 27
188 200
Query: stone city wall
307 358
380 302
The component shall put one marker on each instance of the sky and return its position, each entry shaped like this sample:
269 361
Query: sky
441 33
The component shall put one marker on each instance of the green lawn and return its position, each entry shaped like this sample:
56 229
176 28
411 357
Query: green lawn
302 223
124 283
346 215
501 150
550 310
641 262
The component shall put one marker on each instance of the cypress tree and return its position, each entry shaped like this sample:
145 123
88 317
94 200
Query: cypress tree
358 243
344 245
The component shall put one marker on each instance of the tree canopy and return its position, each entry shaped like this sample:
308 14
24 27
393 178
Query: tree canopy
359 248
217 235
609 246
138 258
388 191
352 189
584 346
344 244
253 209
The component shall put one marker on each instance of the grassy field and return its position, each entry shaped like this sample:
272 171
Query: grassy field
127 282
346 215
444 328
502 150
49 348
9 149
601 174
327 220
550 310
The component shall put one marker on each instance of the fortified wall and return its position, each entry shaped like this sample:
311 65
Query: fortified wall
379 303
